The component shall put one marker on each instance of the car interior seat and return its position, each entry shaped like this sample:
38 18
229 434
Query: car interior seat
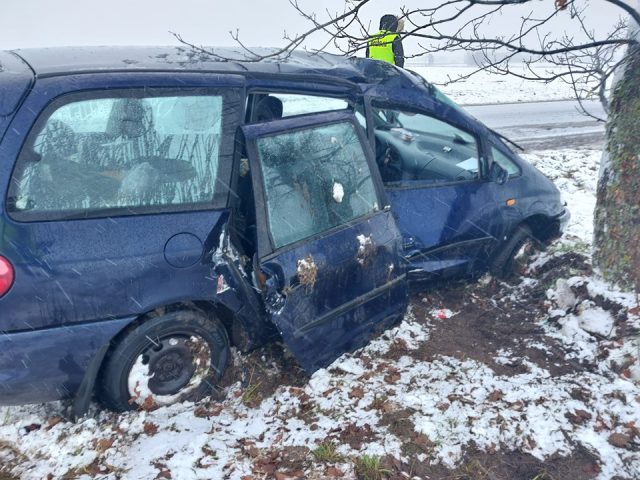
130 124
267 108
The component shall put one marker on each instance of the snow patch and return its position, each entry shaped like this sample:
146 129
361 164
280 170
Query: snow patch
338 192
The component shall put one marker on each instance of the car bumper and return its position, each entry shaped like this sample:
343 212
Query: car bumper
44 365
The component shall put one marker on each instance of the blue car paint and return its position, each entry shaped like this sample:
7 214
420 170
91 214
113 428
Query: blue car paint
90 270
433 217
16 84
179 272
49 364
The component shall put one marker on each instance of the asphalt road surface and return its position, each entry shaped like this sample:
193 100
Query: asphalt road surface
544 125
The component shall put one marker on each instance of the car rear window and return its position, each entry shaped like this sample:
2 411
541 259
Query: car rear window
100 154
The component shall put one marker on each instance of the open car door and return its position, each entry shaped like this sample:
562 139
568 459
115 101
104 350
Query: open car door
328 249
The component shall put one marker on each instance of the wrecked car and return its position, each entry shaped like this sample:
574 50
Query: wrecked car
159 207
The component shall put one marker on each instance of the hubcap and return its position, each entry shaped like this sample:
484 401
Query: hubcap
169 368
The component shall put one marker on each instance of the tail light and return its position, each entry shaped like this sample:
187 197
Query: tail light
6 275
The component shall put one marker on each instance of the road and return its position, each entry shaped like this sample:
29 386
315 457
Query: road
543 125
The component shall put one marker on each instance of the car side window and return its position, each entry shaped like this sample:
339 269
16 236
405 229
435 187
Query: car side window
412 147
314 179
279 105
505 162
123 153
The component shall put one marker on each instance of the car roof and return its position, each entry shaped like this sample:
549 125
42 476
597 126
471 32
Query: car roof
373 77
70 60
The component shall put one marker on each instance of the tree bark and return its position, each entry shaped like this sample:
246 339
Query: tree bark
617 213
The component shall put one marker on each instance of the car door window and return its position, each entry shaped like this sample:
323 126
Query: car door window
265 107
296 104
505 162
314 179
99 154
412 147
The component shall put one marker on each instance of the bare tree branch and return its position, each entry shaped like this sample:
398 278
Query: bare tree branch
586 60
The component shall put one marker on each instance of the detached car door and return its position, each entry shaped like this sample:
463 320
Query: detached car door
328 247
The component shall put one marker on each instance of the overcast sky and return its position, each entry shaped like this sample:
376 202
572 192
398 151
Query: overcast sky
34 23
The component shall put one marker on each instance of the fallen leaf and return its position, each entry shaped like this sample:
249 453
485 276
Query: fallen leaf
264 467
578 417
366 376
334 472
52 422
150 428
600 424
103 444
148 404
356 392
31 427
329 391
208 411
252 451
496 395
619 440
392 377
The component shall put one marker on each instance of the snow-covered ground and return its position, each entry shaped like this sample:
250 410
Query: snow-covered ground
453 403
483 87
565 393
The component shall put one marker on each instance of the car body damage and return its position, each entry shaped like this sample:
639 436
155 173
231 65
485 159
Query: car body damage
153 200
322 299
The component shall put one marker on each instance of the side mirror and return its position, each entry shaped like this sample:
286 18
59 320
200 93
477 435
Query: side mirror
498 174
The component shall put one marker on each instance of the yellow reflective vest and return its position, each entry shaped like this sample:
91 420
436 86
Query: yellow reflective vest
381 46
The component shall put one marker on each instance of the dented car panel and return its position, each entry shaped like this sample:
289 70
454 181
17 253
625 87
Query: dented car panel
335 278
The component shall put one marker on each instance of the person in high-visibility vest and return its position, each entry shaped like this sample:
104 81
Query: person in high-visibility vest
386 44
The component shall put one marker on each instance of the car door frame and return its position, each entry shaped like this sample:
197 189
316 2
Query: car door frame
291 124
266 249
489 242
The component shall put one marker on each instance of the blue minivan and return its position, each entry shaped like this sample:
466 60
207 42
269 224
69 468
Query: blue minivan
160 206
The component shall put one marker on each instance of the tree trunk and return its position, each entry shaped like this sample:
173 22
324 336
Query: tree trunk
617 213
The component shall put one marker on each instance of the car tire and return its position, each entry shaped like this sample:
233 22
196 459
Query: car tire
169 358
503 263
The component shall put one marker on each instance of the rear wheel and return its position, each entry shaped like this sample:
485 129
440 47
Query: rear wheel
170 358
504 262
